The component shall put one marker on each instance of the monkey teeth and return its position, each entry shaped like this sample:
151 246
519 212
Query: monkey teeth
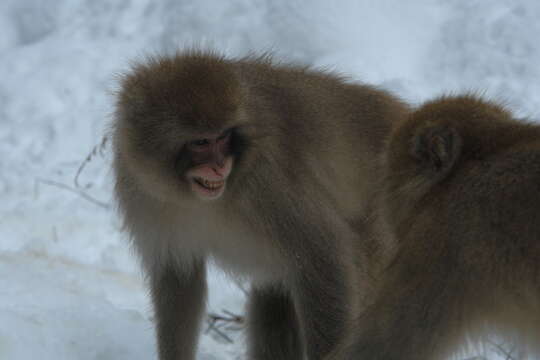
210 185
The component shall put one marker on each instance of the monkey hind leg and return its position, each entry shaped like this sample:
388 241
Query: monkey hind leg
396 340
273 332
413 318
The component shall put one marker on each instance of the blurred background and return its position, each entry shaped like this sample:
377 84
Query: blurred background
70 287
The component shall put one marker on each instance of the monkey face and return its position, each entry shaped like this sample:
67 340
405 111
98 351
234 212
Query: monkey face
212 163
172 168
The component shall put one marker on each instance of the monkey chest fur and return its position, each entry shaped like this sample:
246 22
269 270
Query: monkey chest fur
231 244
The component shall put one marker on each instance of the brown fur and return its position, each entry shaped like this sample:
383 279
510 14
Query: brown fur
305 145
462 197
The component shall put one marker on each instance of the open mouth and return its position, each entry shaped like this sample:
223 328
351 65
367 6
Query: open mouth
208 188
209 185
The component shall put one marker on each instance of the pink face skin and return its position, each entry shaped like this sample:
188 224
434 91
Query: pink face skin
213 161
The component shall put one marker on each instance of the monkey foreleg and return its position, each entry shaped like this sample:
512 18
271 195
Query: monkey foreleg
179 300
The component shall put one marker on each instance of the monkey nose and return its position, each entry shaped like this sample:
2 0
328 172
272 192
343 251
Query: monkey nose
220 161
218 166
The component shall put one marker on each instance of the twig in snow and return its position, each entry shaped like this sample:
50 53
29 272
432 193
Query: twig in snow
507 353
98 148
228 322
73 190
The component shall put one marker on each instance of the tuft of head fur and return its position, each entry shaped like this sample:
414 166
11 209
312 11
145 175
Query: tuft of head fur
196 91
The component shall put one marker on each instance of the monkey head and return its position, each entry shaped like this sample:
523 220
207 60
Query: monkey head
178 126
463 168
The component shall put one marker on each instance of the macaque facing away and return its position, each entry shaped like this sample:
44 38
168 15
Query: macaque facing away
266 169
462 198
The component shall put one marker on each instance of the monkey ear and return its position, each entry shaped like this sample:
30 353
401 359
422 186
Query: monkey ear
437 149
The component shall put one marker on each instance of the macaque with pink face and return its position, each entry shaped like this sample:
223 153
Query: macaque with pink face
256 166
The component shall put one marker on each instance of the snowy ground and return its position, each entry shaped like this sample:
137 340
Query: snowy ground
69 286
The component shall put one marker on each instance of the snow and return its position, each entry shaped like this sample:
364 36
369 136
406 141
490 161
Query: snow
70 286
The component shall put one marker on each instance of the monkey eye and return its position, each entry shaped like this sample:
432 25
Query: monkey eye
225 135
200 142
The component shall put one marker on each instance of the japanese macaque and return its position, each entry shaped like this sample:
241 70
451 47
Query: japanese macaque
266 169
461 198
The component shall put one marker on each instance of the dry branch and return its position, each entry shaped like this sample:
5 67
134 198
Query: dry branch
73 190
95 150
220 324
